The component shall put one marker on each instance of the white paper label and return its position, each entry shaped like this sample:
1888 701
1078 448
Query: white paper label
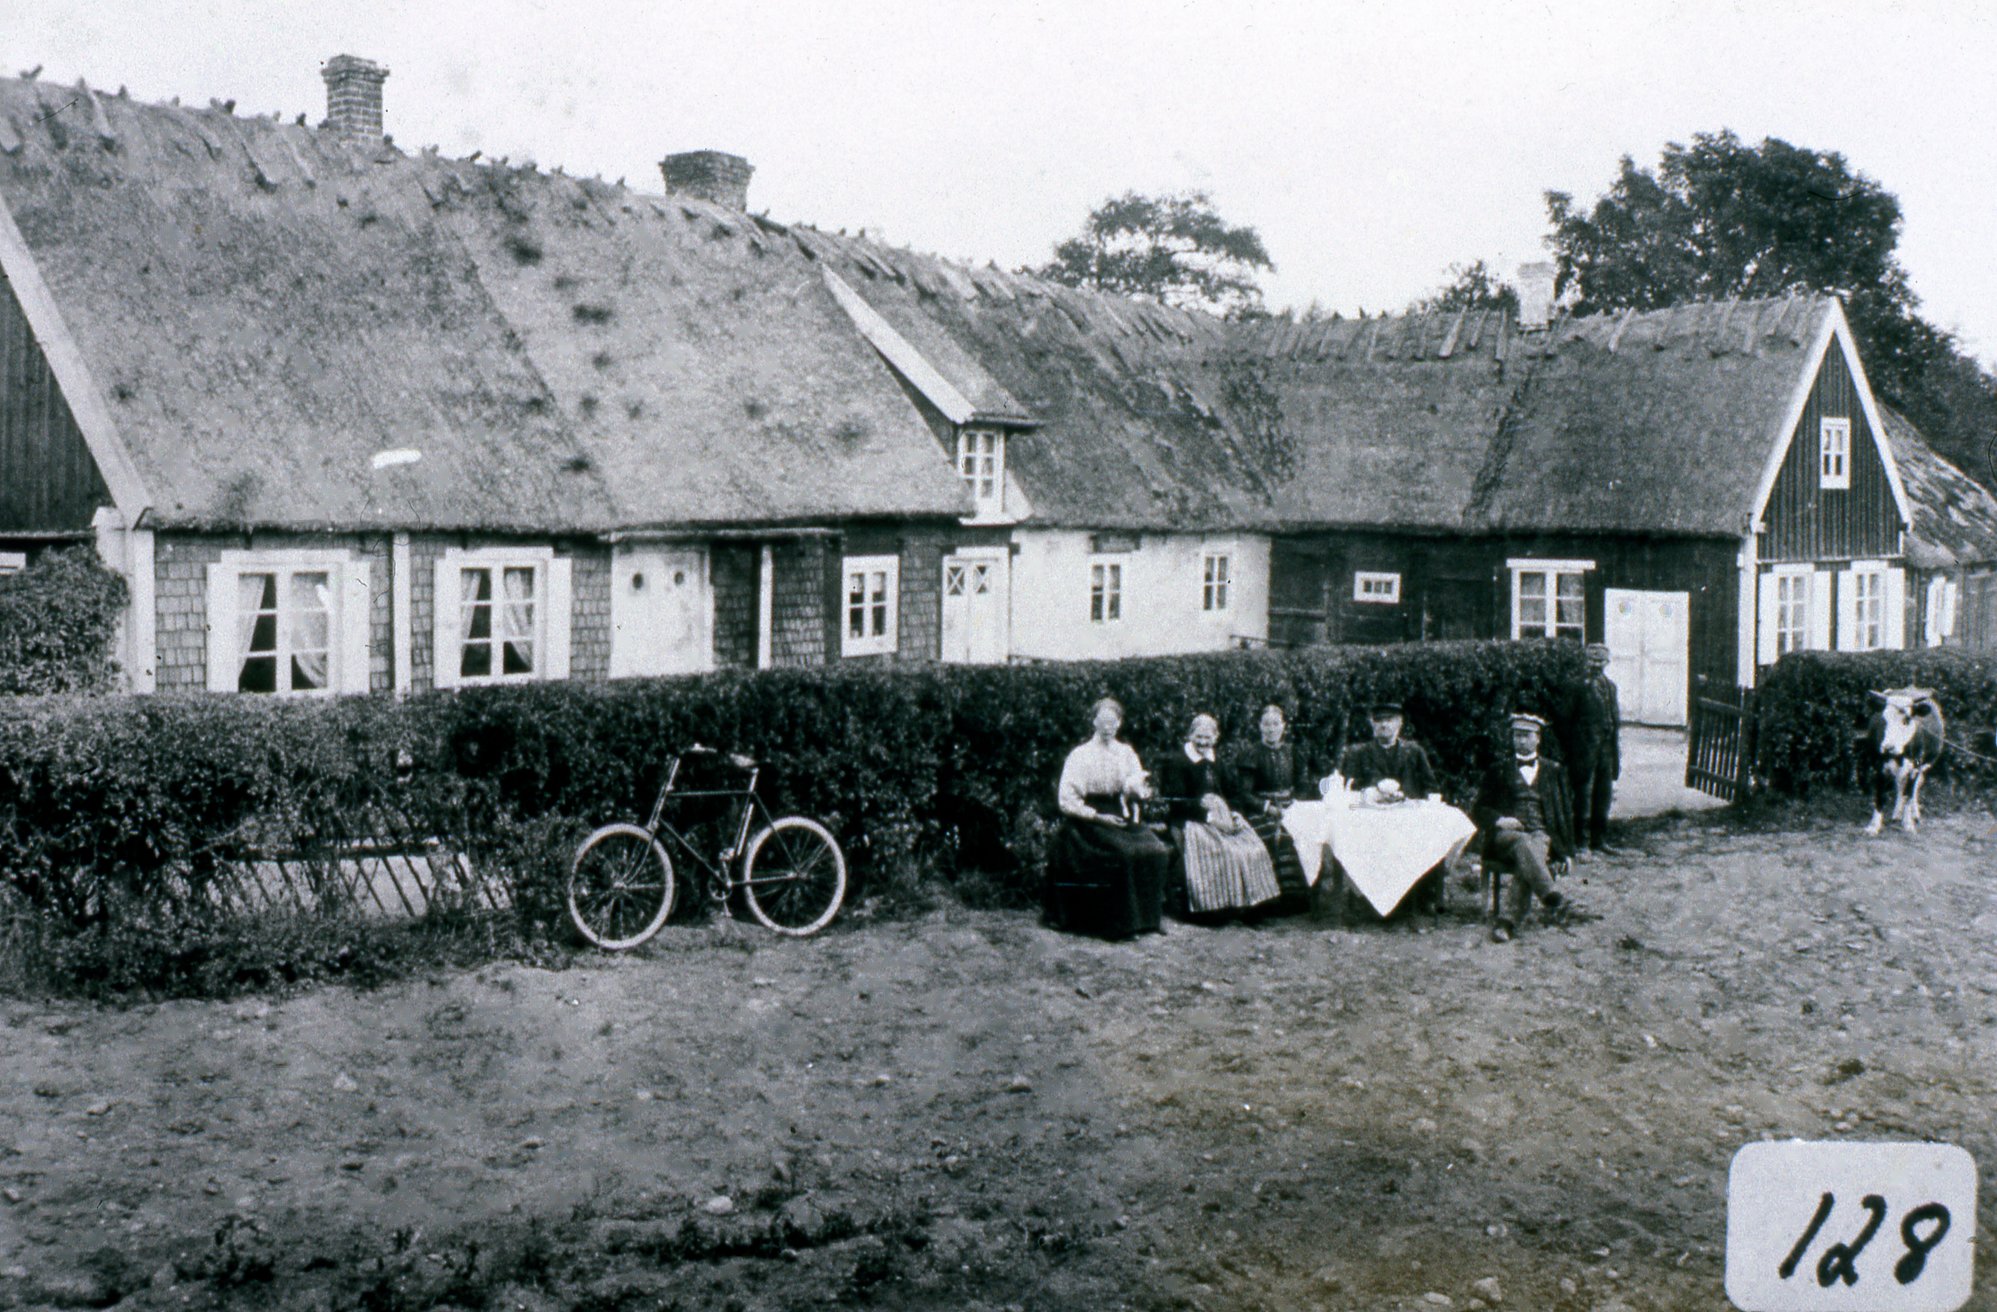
1850 1227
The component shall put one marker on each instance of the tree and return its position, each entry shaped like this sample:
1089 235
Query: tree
1175 249
1721 218
1471 286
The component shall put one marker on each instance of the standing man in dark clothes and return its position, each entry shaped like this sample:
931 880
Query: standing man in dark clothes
1591 729
1523 808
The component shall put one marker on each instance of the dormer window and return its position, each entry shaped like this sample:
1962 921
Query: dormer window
981 464
1834 453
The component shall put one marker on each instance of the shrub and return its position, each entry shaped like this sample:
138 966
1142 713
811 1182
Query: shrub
118 815
1813 708
58 618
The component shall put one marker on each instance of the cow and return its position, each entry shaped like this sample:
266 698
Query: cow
1902 742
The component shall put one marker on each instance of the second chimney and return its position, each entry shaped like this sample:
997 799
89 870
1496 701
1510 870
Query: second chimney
353 98
712 175
1535 287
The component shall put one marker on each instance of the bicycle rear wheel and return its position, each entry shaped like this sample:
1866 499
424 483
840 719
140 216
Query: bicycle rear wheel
620 887
794 876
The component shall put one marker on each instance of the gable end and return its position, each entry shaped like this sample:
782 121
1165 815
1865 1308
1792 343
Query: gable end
1854 512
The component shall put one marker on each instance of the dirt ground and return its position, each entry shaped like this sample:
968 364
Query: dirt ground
966 1111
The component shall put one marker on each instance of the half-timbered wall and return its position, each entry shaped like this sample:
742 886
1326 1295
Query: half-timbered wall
48 480
1807 521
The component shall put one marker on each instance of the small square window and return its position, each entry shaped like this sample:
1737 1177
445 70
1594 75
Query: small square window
1834 453
872 603
1378 589
1216 570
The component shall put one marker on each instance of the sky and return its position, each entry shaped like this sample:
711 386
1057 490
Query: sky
1371 144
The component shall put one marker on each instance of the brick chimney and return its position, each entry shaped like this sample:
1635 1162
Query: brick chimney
1535 288
712 175
353 99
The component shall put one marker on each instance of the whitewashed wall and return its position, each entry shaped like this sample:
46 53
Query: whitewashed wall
1162 596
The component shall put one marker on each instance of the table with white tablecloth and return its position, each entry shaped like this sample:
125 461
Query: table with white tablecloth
1384 849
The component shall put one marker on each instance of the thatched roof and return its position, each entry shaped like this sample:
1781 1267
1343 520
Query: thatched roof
1131 429
1955 517
1659 422
265 309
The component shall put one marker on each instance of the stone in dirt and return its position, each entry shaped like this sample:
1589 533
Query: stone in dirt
1019 1084
719 1205
345 1083
1489 1290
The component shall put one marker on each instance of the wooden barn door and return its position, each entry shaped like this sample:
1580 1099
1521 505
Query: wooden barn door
1649 637
661 613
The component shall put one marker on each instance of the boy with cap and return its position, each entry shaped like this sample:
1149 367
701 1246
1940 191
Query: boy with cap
1524 809
1591 732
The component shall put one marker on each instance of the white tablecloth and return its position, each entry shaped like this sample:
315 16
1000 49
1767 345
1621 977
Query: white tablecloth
1384 850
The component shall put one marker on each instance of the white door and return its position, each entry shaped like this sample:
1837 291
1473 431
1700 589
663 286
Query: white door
974 607
1649 637
661 612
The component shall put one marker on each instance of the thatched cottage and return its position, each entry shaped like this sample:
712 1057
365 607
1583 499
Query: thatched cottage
349 418
354 419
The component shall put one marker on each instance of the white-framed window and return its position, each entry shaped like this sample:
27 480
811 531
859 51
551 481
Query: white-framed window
502 616
872 606
1550 598
1216 571
290 622
1792 611
981 464
1380 589
13 562
1868 609
1834 453
1105 591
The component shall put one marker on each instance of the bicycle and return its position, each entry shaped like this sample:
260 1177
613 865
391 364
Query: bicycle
621 886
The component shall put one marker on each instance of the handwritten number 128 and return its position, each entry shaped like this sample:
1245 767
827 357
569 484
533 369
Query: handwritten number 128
1840 1261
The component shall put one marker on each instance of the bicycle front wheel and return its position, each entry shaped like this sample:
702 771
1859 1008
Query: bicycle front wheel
794 877
620 887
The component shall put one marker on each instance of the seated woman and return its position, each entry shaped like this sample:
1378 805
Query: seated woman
1270 775
1105 872
1227 868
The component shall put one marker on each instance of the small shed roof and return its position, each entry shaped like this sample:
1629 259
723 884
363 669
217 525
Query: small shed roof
1955 517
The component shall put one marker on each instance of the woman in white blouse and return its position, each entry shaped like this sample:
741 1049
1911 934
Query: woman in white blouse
1105 871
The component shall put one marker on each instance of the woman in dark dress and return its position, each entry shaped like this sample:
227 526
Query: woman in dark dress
1105 871
1271 774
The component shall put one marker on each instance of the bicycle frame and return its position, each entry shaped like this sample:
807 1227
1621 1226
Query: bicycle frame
747 812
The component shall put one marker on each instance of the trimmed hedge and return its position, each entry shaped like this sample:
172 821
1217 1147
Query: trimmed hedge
57 621
1813 708
140 802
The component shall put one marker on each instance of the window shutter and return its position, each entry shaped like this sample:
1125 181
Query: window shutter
444 654
356 626
1893 624
222 654
561 619
1820 610
1764 630
1847 609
